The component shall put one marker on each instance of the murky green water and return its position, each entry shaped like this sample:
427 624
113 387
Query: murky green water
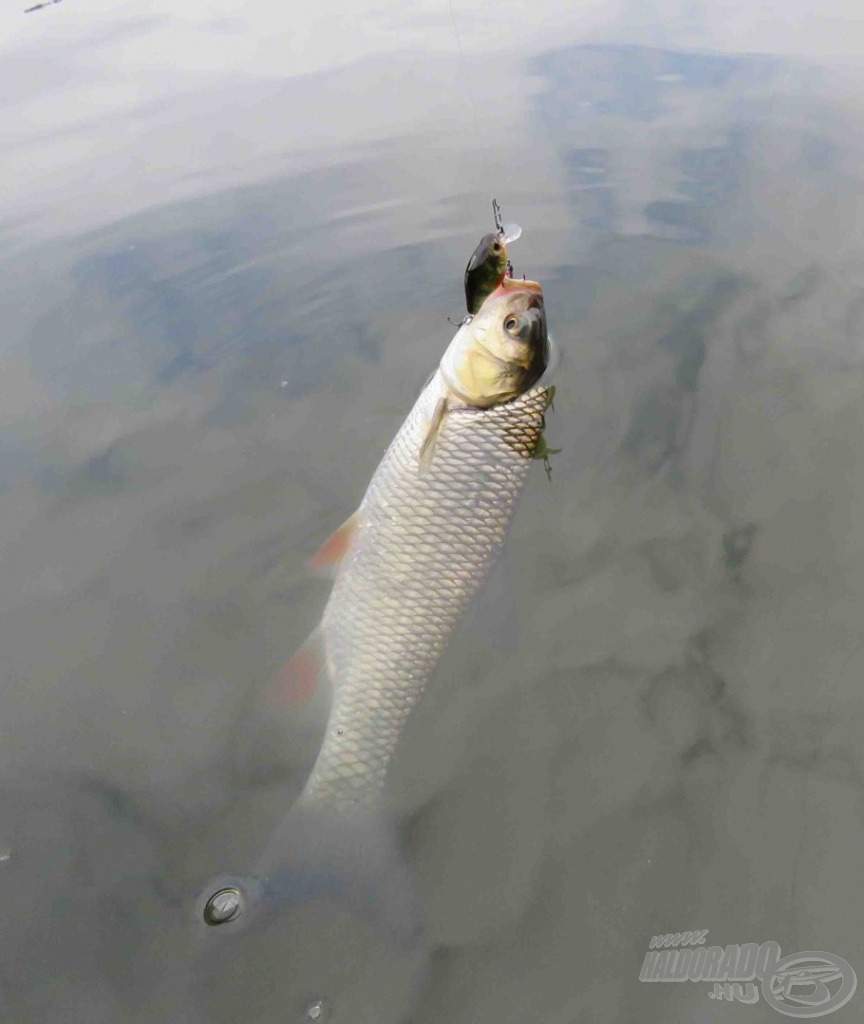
216 312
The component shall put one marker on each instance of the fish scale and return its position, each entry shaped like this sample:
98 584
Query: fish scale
424 544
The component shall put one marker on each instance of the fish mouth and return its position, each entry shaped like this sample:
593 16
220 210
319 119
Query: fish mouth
527 296
502 351
513 286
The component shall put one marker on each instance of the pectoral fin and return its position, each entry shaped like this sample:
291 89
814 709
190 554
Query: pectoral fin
427 449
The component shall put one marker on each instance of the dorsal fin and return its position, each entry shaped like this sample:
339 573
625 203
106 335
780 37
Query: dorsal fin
337 547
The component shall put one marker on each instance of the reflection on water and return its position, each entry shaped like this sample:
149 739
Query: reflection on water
652 720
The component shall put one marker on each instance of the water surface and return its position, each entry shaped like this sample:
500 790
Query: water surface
229 252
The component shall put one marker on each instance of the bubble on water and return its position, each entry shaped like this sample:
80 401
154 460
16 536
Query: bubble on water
223 906
5 853
319 1012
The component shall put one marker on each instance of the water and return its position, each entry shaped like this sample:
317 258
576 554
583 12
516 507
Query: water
230 242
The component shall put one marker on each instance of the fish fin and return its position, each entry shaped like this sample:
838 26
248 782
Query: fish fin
427 449
337 547
275 732
302 674
351 858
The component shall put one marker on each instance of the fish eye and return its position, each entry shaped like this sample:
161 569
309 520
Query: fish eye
496 247
511 324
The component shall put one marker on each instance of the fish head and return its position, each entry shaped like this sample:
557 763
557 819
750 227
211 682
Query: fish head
486 268
503 351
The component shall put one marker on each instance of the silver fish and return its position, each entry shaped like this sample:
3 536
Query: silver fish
428 530
426 534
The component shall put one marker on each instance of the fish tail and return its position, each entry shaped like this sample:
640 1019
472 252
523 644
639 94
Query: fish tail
352 859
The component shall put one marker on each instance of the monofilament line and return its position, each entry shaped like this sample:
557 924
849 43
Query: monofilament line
463 72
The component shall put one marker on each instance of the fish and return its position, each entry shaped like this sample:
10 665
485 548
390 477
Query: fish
485 270
426 534
407 565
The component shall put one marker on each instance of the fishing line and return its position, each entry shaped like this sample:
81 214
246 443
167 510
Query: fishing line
466 83
462 69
